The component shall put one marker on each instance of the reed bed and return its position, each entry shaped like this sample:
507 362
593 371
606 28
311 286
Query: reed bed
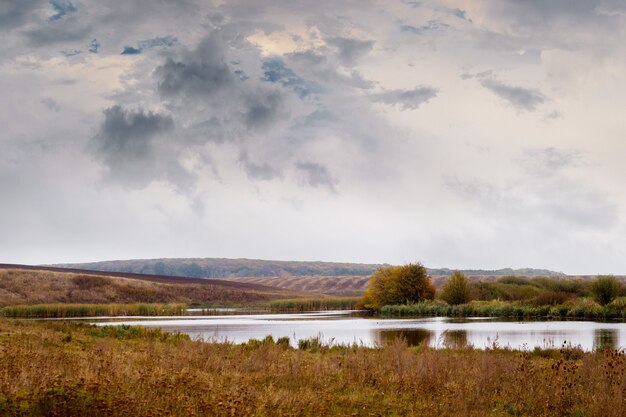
64 369
580 309
315 304
92 310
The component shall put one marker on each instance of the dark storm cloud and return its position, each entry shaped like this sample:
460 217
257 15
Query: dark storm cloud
350 50
519 97
136 147
263 109
13 13
127 134
200 73
256 171
316 175
407 99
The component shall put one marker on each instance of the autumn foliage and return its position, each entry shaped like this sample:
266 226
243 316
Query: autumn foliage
392 285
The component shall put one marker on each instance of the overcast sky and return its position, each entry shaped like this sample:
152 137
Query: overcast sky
462 134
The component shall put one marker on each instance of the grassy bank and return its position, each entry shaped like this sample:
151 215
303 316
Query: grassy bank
55 368
576 309
92 310
315 304
29 287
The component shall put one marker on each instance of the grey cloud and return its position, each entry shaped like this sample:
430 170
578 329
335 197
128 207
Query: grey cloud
316 175
472 189
263 109
350 50
94 46
14 13
162 41
461 14
70 29
567 24
545 162
74 52
324 71
520 97
430 26
557 201
256 171
200 73
133 147
51 104
127 134
408 99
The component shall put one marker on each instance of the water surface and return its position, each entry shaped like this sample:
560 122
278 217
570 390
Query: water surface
343 327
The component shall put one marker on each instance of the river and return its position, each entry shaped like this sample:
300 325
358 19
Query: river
344 327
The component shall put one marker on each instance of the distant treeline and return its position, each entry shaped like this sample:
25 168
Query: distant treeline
228 268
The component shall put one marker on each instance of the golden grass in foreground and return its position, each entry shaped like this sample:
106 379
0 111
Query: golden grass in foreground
60 369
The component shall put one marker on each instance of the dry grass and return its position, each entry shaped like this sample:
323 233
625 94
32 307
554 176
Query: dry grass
330 285
58 369
21 287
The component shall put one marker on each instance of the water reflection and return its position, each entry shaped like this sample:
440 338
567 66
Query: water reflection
454 339
413 337
438 332
605 339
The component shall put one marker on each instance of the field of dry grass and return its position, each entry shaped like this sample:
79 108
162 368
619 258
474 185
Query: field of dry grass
60 369
329 285
27 287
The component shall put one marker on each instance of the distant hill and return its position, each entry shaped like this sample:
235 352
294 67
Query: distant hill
23 284
238 268
520 272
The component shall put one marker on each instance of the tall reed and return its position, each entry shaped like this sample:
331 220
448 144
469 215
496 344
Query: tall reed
576 310
313 304
92 310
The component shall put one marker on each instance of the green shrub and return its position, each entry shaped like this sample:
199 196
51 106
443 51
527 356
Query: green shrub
605 289
456 290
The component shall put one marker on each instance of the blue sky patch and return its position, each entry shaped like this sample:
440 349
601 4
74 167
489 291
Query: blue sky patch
129 50
275 71
61 8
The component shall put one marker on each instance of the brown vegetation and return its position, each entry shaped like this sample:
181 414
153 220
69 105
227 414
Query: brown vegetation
59 369
24 286
329 285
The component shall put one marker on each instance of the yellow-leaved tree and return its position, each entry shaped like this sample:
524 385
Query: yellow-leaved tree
404 284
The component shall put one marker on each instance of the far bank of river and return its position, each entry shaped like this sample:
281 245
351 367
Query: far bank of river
348 327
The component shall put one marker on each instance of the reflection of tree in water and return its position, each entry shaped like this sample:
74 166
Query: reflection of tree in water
454 339
604 339
413 337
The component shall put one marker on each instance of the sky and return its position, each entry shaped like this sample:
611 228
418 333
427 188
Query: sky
460 134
